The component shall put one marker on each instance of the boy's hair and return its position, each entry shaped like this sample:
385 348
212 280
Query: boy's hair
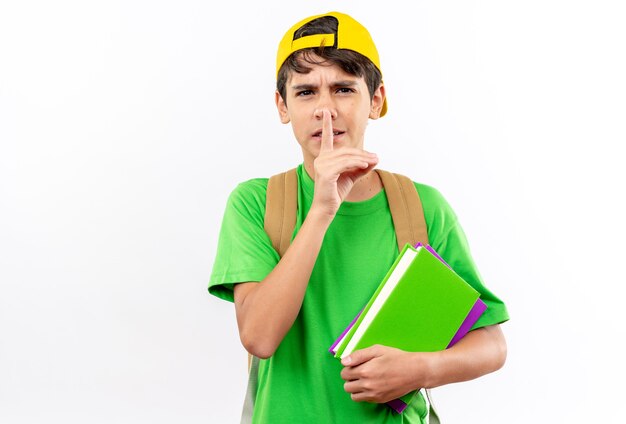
348 60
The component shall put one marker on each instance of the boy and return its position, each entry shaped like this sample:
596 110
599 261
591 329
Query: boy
290 309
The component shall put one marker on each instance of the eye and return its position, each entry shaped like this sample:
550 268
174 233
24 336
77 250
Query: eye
304 93
345 90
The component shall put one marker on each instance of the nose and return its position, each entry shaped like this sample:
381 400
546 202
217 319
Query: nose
319 113
325 103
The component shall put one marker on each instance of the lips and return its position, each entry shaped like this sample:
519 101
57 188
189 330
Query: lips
335 133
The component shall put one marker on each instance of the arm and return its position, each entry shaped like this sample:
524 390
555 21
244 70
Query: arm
380 374
267 310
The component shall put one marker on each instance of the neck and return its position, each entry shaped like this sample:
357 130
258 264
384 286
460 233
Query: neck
365 188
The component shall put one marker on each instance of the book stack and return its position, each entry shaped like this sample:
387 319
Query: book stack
421 305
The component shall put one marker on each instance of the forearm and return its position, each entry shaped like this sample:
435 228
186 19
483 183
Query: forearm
381 373
480 352
267 310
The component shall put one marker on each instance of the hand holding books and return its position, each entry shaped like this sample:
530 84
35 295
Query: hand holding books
421 305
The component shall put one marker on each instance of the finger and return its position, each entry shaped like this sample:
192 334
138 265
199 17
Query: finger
352 387
347 150
348 163
342 153
327 131
341 159
349 374
369 168
359 397
360 356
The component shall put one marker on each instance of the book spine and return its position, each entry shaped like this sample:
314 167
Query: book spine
352 328
333 348
471 318
397 405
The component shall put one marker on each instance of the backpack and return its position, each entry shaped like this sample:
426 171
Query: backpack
280 221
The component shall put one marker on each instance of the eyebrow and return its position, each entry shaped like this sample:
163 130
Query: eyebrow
340 84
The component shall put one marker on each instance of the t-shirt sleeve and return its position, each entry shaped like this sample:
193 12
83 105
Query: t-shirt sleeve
448 239
244 250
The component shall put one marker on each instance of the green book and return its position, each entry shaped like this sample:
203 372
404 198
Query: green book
421 305
418 307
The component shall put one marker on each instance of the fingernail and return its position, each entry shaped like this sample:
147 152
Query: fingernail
346 361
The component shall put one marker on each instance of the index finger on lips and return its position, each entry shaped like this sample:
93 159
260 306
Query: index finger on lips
327 131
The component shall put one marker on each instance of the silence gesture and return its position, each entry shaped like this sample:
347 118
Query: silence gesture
337 169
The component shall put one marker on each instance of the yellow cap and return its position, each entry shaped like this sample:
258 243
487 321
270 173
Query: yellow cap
351 35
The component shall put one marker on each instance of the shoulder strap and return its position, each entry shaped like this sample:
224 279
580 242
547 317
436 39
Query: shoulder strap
248 404
404 202
280 209
406 209
433 417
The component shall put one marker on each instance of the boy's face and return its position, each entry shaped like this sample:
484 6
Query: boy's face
328 87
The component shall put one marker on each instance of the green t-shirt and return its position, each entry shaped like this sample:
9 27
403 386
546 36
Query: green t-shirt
301 382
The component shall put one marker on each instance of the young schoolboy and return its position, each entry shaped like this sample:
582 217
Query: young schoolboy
289 310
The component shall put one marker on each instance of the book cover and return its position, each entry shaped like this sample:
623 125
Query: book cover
421 305
472 317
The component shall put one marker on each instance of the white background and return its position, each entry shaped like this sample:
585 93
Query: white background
125 124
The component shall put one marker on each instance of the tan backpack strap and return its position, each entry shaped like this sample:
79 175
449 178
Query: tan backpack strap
280 209
406 208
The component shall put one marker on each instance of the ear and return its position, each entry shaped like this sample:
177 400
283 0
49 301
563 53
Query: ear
377 102
282 108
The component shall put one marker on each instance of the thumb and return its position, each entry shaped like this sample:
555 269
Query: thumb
360 356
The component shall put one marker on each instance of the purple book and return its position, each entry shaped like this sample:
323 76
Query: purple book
400 404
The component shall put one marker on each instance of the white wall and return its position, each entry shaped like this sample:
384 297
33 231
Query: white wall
124 126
